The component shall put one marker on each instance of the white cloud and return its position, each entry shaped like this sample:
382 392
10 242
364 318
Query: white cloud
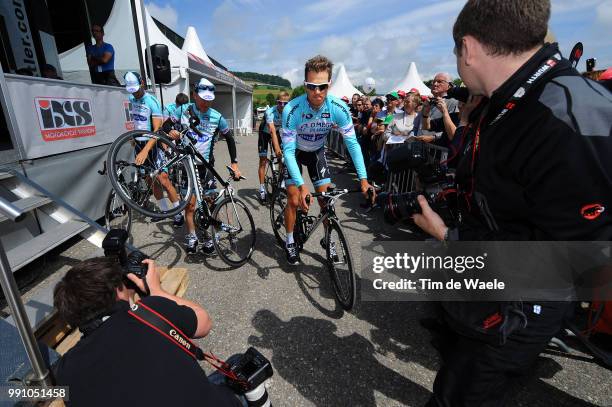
604 13
295 76
166 14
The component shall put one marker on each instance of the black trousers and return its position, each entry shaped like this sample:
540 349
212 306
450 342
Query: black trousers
476 373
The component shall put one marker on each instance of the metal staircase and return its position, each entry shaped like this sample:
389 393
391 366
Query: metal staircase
45 222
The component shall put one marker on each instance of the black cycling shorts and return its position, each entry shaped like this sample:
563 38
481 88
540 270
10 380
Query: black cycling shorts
208 180
263 141
315 162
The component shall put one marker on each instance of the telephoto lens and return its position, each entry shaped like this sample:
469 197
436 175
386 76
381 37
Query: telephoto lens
258 396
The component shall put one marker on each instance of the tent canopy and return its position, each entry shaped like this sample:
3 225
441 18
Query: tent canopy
412 80
193 46
341 85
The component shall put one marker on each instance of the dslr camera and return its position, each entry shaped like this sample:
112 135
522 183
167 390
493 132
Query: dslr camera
251 371
435 184
114 247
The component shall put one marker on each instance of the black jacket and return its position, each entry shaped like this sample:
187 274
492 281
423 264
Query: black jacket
543 172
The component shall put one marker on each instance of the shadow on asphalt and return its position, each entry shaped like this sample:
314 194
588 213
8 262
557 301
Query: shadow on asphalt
327 369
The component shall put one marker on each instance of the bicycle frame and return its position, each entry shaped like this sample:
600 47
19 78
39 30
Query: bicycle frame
328 213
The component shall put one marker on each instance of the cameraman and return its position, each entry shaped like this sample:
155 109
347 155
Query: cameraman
120 361
535 166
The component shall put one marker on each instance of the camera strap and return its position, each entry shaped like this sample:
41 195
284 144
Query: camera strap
168 330
510 105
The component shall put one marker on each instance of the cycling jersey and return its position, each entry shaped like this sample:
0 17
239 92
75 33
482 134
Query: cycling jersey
272 115
174 112
143 110
210 121
305 129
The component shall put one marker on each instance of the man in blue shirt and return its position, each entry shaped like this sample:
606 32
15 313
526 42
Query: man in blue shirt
147 115
101 59
269 134
307 121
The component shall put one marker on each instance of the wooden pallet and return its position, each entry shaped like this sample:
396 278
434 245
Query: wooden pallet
62 338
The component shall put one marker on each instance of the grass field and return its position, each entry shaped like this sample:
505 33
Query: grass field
260 92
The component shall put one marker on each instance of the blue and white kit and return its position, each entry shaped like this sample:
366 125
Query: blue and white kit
304 132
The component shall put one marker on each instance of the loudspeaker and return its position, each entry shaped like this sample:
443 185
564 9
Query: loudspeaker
161 63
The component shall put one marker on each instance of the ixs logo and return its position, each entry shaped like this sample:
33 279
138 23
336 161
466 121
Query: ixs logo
61 118
129 119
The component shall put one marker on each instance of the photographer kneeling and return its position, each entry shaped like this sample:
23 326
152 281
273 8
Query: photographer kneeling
535 166
120 361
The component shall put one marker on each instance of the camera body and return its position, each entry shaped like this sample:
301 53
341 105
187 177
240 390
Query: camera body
436 185
114 247
251 370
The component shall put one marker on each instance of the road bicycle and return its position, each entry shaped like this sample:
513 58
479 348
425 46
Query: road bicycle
273 178
171 166
117 215
339 260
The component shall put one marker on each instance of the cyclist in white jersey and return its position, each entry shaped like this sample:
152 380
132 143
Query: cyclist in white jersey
307 121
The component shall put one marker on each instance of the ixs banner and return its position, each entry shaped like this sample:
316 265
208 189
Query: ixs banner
56 117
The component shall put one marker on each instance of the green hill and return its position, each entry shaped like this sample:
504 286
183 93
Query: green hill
262 78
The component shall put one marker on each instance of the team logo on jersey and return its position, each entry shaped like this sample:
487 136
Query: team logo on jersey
62 118
307 116
325 115
592 211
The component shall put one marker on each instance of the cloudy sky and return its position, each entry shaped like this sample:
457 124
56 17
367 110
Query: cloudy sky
371 37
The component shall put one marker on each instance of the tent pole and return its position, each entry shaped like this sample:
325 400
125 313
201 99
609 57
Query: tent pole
147 45
234 107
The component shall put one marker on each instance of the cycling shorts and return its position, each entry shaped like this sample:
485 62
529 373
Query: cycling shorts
315 162
156 157
263 142
208 180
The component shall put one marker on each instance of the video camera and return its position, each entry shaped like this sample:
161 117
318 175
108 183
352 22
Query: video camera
114 247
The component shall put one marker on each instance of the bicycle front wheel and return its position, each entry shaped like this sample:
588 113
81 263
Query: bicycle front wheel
117 214
233 232
161 186
340 265
277 216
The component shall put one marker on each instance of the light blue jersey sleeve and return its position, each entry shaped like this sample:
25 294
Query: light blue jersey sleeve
342 117
289 140
270 115
223 127
153 104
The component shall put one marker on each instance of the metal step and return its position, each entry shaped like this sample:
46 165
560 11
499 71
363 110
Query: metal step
41 244
28 204
5 175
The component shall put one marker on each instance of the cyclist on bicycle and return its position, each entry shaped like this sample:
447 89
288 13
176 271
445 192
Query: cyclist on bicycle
147 115
269 133
211 121
307 121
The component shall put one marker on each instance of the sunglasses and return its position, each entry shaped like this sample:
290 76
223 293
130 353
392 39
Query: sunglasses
281 103
206 87
314 86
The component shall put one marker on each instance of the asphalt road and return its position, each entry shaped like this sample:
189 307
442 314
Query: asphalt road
376 355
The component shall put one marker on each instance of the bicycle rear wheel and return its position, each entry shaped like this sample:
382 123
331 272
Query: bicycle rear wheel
148 188
277 216
340 265
117 214
233 232
269 180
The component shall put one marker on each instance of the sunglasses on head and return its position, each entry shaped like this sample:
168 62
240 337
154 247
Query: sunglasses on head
205 87
281 103
315 86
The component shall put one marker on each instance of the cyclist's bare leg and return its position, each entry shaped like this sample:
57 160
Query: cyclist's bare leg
323 202
164 180
189 214
293 201
262 169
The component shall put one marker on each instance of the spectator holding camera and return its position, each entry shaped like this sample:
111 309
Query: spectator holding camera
536 166
440 113
120 361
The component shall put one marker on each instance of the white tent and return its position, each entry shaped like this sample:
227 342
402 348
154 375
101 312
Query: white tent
193 45
341 84
412 80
